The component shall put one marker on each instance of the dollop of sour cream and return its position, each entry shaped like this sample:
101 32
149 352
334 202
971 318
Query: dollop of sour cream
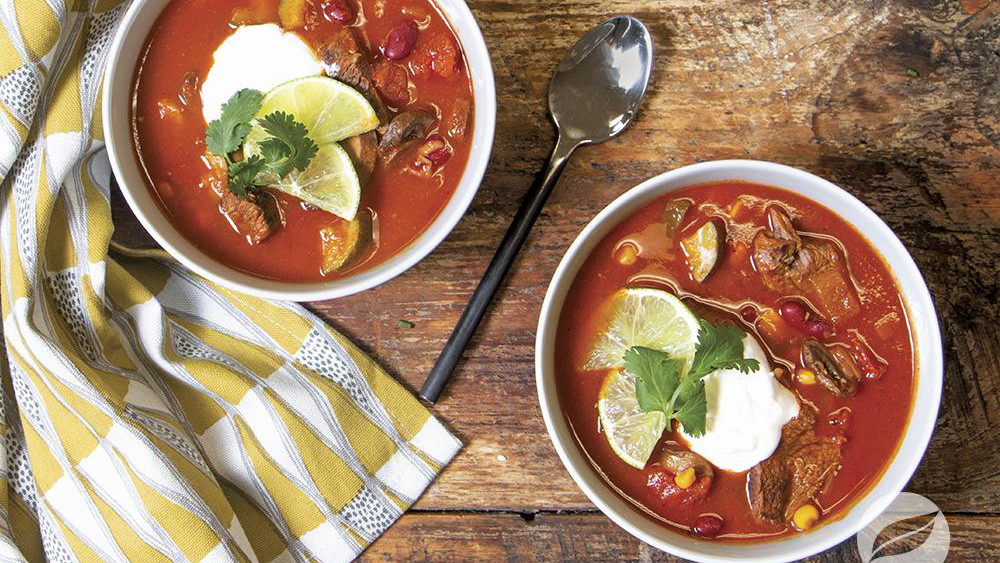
255 56
746 412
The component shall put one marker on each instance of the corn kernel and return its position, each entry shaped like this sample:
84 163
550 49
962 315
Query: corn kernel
805 517
734 209
627 254
685 478
805 376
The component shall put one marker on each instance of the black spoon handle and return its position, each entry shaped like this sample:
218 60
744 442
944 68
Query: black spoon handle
530 208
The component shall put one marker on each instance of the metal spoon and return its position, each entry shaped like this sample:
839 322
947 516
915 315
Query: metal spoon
594 95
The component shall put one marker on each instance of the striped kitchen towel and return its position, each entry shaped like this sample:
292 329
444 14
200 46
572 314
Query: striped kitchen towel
146 413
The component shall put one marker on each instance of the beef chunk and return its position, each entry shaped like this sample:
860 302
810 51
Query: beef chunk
345 59
254 217
788 263
799 469
363 150
835 370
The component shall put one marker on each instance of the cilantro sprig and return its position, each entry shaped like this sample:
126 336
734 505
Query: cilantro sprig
288 149
226 134
662 384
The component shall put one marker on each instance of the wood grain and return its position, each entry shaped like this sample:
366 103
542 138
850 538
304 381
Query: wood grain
585 537
827 86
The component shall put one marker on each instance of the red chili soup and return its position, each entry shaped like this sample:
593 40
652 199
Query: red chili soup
824 307
408 167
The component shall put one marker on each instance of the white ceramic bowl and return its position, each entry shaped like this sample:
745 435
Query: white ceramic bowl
125 52
923 322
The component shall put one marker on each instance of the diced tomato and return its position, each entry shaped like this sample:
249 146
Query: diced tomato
662 481
458 118
432 154
867 361
392 82
438 53
773 327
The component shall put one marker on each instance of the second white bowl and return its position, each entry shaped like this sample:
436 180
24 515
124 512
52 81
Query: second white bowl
923 323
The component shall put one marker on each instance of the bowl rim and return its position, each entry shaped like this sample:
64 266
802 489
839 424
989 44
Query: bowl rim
121 154
928 356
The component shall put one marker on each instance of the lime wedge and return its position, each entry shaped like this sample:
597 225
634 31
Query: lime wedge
329 182
631 433
644 317
331 110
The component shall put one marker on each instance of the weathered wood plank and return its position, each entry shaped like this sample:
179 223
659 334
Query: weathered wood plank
592 537
822 85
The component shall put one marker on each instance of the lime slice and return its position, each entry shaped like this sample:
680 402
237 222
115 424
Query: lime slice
331 110
631 433
329 182
702 251
644 317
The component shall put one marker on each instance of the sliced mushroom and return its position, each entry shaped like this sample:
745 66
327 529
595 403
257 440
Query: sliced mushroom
834 370
405 128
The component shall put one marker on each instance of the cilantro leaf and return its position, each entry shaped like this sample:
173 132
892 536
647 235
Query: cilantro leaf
289 148
742 365
693 409
657 376
243 175
720 347
273 150
226 134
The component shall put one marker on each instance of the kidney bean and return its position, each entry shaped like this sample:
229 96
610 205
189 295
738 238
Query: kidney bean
795 314
707 526
401 40
749 313
338 11
439 156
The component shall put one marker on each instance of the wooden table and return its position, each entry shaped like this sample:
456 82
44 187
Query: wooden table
896 101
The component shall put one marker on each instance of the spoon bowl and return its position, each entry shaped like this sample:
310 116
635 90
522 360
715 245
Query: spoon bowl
596 90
